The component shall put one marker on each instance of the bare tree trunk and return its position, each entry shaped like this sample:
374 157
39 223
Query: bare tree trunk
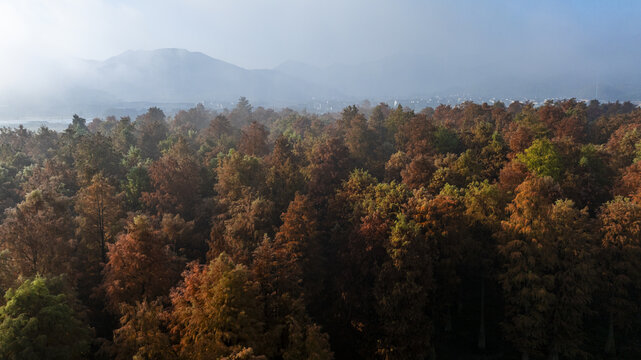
103 251
610 346
481 340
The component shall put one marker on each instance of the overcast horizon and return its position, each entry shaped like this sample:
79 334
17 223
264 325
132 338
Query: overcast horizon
374 49
259 34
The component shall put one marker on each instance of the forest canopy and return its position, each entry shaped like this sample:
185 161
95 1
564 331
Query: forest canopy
454 232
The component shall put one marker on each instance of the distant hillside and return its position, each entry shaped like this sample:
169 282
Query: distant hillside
176 75
164 76
176 78
412 76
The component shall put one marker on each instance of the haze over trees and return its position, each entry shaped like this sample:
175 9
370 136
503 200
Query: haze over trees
472 231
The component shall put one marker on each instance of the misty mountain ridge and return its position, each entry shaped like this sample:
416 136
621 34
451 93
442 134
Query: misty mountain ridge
178 76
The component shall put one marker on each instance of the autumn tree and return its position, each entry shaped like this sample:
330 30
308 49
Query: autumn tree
9 189
140 266
218 137
329 165
38 234
151 129
589 179
253 140
43 144
418 172
98 222
571 248
492 157
525 128
607 118
395 120
467 168
183 237
447 172
95 154
238 174
241 115
297 250
363 142
243 211
629 183
217 311
306 342
268 266
484 209
289 271
52 174
284 178
565 119
143 333
395 165
98 208
241 228
484 229
403 293
622 144
415 136
365 212
377 117
548 279
512 175
574 123
443 223
620 257
292 263
176 179
96 125
218 127
193 119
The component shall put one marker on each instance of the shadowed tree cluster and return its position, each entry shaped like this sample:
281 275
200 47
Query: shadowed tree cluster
468 231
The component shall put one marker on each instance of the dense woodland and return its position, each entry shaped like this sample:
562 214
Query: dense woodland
474 231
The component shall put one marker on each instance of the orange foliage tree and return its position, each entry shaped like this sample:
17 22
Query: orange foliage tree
141 266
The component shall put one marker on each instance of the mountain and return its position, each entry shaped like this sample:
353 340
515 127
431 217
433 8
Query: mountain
181 76
176 78
164 76
177 75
